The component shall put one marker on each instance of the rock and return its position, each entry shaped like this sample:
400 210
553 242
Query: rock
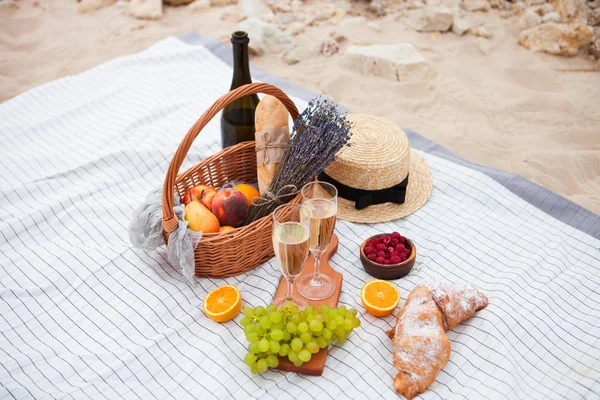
349 28
329 47
339 15
399 62
497 3
280 7
460 26
122 4
178 2
296 28
571 10
544 9
416 4
558 39
296 5
529 19
288 18
480 31
506 14
352 23
534 2
432 19
594 17
199 6
375 26
232 17
476 5
222 3
86 6
518 6
324 12
253 8
263 34
553 16
298 53
146 9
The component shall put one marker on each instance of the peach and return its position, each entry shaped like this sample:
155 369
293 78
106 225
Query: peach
226 228
199 218
203 193
230 206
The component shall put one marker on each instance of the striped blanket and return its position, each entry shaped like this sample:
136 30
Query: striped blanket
83 315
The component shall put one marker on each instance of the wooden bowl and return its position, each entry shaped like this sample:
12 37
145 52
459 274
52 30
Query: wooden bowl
388 271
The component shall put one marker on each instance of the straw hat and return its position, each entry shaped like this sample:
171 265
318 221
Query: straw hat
378 166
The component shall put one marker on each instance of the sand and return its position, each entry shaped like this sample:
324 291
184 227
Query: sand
491 101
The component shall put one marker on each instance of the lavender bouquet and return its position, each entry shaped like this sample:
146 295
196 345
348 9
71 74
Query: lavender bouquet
319 133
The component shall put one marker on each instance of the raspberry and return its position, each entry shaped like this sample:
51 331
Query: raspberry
372 256
386 240
400 248
381 254
403 257
396 260
370 250
379 260
381 247
395 235
387 262
394 242
402 239
390 249
375 242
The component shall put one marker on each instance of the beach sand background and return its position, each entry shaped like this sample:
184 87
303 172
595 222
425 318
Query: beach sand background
491 100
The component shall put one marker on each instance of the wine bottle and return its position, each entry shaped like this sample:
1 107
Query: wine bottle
237 119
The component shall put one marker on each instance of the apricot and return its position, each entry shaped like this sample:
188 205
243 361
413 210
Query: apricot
230 207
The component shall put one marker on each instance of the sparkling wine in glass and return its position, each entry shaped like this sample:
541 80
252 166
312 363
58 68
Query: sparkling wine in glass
290 241
319 202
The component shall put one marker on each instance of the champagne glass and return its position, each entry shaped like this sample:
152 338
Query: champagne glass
290 241
319 199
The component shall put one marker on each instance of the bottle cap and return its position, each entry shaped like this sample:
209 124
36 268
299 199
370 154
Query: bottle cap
239 37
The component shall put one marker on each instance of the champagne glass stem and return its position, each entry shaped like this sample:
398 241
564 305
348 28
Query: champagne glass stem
290 289
316 279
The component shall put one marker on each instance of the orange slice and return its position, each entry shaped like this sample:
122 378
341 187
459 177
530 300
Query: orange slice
223 303
380 298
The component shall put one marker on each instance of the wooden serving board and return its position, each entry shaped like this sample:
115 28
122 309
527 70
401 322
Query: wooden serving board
317 362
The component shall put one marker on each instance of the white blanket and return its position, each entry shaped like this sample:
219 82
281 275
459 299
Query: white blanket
83 315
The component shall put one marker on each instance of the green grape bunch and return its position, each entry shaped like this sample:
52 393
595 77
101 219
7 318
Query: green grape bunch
289 332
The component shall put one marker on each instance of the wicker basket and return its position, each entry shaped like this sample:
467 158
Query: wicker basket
220 255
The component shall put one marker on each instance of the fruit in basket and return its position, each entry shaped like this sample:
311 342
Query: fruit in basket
226 228
199 218
248 190
230 206
203 193
379 297
289 332
223 303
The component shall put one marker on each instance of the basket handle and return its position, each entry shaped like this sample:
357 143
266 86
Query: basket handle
170 222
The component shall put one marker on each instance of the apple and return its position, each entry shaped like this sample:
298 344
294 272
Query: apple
203 193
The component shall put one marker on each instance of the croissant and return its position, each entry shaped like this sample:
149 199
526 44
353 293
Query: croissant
419 342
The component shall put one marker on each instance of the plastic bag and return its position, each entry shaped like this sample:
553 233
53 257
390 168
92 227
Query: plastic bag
146 232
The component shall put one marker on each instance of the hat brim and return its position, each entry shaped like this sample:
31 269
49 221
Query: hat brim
418 191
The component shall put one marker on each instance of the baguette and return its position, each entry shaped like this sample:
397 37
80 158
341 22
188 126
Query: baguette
272 135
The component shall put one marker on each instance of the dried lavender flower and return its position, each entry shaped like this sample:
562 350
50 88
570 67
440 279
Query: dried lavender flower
318 134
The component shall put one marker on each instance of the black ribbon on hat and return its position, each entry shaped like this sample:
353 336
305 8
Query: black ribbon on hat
365 198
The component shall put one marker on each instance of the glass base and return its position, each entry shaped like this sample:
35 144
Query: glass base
312 290
300 303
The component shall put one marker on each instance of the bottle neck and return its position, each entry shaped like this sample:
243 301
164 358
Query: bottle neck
241 66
